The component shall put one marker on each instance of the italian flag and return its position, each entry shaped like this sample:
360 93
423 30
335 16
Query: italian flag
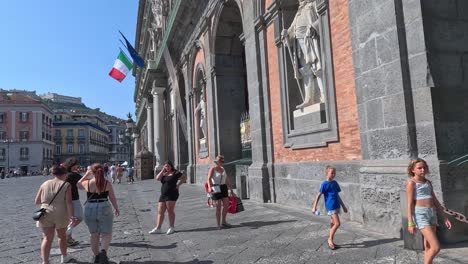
121 67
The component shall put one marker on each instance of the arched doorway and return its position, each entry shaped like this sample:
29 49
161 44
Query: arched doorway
231 87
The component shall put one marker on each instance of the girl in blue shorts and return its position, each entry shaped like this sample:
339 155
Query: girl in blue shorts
422 207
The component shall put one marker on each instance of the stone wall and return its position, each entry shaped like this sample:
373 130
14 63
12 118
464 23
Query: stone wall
445 29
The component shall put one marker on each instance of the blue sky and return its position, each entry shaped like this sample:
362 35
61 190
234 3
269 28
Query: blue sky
68 47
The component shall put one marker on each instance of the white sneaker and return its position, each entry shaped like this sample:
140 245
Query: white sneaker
155 231
65 258
171 230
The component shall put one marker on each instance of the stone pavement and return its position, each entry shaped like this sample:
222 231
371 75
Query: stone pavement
261 234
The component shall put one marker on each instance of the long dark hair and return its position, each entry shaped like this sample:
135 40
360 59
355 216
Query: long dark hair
168 162
98 172
69 163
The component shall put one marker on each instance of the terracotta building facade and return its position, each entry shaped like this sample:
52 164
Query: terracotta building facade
26 145
284 88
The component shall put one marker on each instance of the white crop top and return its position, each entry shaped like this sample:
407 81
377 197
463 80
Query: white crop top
423 190
218 178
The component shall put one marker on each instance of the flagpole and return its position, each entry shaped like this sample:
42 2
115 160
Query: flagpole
123 43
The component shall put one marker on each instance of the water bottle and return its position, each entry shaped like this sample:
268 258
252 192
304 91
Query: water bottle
317 212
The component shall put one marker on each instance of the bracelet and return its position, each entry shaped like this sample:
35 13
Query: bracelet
411 224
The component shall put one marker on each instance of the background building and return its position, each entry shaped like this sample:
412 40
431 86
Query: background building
82 136
391 77
62 98
25 132
118 151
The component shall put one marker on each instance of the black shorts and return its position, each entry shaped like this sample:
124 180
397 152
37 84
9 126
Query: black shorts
169 197
222 194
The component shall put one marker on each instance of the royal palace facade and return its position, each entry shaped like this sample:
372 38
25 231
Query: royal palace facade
284 88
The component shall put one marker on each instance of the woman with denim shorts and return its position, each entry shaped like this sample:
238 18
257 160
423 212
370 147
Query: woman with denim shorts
98 211
422 206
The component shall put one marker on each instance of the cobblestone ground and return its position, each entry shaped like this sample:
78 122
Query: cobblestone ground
261 234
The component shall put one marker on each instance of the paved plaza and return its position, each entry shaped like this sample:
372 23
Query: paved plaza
261 234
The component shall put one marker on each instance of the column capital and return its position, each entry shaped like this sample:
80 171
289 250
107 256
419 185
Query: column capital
149 106
157 91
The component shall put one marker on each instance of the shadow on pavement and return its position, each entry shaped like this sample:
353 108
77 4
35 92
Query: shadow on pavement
258 224
367 244
143 245
455 245
252 225
195 261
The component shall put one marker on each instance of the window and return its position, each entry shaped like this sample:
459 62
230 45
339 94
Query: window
2 117
24 116
70 148
81 148
58 149
2 135
2 154
81 133
24 135
58 133
24 153
70 133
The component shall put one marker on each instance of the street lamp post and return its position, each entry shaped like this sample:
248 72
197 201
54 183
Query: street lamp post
127 137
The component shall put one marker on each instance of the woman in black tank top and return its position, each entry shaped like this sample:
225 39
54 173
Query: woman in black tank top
171 179
98 211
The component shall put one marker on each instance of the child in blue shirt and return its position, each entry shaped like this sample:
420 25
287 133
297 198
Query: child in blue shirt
330 190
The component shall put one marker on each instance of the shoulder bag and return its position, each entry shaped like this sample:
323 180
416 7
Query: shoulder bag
39 213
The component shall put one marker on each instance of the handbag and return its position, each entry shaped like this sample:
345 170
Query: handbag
232 209
239 205
39 213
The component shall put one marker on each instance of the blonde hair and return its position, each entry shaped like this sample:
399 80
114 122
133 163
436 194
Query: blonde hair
329 167
413 163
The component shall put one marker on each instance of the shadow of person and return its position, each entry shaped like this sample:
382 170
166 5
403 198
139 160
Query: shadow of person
258 224
252 225
368 244
195 261
142 245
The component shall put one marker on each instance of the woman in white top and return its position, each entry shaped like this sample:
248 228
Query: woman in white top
219 184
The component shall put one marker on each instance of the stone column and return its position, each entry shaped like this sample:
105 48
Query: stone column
159 136
149 120
188 83
136 141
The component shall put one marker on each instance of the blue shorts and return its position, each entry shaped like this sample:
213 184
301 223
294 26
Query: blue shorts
332 212
424 216
99 217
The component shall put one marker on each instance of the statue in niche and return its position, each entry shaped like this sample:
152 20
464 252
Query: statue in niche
157 8
202 108
303 42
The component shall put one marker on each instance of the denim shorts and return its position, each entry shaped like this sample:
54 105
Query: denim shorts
77 209
99 217
424 216
332 212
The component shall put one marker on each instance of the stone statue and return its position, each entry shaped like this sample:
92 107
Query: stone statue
303 42
157 8
202 108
